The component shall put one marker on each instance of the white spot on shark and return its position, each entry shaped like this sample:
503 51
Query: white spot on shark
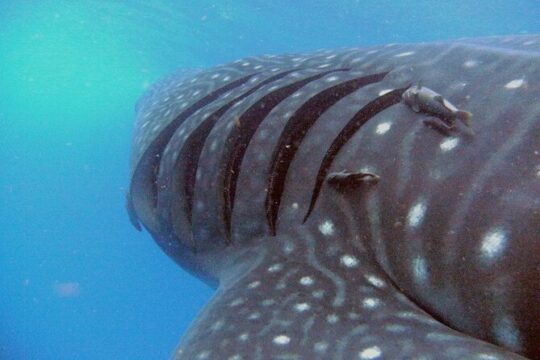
275 268
485 356
349 261
203 355
254 284
237 302
217 325
243 337
282 340
268 302
326 228
332 318
514 84
470 64
320 346
416 214
493 244
383 128
448 144
301 307
288 248
370 302
353 316
375 281
419 267
306 281
404 54
372 352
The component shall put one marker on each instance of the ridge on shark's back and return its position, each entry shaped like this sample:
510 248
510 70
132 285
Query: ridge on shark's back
338 223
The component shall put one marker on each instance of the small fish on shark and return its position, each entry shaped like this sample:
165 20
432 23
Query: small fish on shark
348 179
307 191
425 100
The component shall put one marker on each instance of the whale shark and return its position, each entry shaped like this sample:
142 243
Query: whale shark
336 220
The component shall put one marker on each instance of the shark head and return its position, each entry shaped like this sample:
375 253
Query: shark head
338 223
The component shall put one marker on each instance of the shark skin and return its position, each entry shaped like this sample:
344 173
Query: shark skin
332 220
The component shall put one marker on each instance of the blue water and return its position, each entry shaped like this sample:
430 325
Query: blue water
76 280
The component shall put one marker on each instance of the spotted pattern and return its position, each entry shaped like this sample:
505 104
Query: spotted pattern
298 324
437 255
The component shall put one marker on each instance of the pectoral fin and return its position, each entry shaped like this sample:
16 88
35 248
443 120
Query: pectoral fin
438 125
465 117
319 307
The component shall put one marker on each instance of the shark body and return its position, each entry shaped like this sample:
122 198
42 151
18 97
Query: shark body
333 222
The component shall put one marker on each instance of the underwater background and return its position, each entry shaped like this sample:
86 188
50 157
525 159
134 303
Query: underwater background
76 280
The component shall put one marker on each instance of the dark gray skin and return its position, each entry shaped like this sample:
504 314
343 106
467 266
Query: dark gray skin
237 174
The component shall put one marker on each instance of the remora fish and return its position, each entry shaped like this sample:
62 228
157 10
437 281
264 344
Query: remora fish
436 257
423 99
